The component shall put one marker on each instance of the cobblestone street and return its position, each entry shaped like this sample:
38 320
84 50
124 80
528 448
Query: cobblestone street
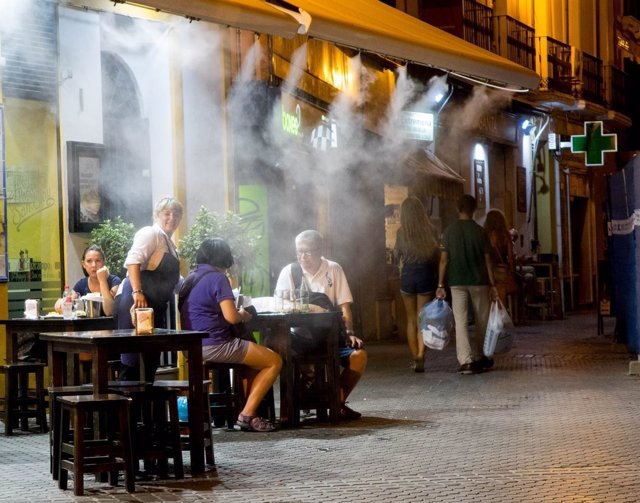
555 421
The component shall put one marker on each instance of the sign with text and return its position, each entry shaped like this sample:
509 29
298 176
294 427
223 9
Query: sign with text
418 125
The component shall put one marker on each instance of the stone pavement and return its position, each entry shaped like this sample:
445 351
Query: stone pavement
555 421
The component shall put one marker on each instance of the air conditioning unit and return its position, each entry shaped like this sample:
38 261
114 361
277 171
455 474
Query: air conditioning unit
576 63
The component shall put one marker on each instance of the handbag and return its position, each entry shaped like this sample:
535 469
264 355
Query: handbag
499 335
503 275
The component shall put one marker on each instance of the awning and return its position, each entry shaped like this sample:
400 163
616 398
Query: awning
427 163
252 15
377 27
432 177
362 24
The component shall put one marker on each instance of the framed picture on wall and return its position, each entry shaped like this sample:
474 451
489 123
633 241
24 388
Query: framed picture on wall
521 187
84 163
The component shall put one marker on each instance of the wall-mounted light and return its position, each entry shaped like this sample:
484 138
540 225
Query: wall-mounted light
479 152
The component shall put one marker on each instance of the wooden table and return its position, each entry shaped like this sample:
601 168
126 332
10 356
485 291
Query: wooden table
102 344
275 334
21 331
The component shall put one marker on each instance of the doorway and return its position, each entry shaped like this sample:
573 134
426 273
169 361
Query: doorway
126 162
581 252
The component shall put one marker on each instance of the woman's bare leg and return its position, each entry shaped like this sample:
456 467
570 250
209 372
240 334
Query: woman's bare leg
421 300
268 365
410 303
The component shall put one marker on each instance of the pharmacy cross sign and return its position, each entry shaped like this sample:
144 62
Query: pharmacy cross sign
593 143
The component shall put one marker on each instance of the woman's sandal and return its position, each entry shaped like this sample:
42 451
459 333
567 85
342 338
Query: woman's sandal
255 423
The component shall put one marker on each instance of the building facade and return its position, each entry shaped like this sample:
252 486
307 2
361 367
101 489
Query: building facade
321 118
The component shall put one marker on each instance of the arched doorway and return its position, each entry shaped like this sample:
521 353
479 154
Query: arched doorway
126 174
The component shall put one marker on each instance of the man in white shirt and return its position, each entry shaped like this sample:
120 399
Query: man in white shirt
324 276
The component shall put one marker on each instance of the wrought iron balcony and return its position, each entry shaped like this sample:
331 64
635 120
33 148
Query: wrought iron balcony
591 78
476 24
515 41
556 68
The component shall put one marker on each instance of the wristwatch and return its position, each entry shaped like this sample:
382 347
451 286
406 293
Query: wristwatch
440 285
350 332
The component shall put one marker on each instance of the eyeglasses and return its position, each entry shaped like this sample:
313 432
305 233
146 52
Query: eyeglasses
307 253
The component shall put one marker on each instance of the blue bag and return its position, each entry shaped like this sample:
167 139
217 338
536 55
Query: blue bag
436 324
183 408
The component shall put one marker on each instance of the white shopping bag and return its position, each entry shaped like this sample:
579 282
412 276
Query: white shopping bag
499 336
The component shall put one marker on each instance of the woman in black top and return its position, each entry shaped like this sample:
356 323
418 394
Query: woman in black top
417 252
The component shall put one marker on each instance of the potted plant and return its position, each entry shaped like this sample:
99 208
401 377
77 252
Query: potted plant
228 226
115 237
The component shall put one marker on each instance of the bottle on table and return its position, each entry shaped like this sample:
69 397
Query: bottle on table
67 303
304 297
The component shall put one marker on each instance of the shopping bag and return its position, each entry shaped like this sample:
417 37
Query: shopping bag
436 324
499 336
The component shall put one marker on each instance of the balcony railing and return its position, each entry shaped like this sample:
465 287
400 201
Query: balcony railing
515 41
558 75
592 79
617 89
476 24
563 68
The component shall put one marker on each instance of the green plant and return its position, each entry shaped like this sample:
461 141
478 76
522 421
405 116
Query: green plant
228 226
115 237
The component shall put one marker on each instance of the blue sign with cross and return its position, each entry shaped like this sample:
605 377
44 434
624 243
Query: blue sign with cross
594 143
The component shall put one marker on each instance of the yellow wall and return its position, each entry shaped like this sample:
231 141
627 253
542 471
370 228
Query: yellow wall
32 184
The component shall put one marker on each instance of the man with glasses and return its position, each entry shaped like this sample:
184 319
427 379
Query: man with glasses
327 277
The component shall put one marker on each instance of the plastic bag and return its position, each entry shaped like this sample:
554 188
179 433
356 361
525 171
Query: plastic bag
436 324
499 336
183 408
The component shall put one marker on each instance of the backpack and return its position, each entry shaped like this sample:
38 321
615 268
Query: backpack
317 299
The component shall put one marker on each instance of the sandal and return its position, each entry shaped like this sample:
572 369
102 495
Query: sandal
255 423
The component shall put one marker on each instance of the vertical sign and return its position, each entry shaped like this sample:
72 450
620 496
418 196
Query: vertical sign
478 176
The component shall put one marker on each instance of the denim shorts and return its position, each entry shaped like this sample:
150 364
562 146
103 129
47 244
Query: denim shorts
418 278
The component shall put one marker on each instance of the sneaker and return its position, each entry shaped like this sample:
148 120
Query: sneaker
468 369
348 414
485 363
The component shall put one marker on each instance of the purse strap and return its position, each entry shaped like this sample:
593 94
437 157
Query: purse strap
187 286
502 261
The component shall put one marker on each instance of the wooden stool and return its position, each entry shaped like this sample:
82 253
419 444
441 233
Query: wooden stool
54 420
108 453
155 428
318 391
227 394
20 401
182 387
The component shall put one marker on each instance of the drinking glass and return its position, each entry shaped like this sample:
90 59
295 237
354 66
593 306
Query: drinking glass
279 300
